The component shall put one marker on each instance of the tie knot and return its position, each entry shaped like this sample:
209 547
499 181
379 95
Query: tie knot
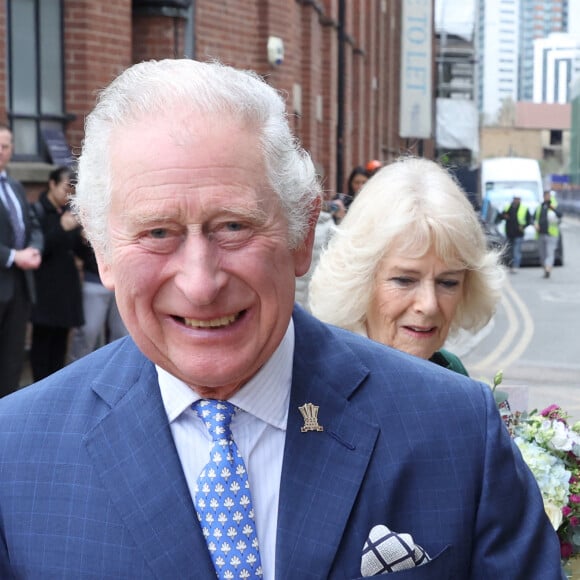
217 416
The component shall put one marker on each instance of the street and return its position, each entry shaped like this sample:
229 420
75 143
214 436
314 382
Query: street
534 335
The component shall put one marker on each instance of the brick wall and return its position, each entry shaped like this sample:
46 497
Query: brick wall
103 38
97 47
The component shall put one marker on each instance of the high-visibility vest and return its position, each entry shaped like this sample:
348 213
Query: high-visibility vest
553 227
522 213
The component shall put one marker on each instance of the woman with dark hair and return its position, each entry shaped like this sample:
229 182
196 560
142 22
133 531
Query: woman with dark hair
58 305
357 178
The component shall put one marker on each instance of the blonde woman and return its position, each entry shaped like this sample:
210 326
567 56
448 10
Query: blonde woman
409 265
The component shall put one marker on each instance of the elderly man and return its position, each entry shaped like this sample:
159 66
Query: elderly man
232 435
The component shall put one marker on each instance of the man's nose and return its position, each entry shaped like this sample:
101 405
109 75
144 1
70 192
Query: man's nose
200 277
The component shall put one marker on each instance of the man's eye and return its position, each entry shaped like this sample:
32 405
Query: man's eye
234 226
158 233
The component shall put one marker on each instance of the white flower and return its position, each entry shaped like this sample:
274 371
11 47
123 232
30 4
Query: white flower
550 472
554 514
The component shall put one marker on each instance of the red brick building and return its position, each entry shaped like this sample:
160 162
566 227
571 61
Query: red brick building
340 71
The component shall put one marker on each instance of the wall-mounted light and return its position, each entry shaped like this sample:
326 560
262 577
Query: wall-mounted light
275 50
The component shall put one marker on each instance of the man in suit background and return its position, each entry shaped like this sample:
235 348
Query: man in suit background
20 253
201 208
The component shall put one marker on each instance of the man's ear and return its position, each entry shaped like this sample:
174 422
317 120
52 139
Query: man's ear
105 271
303 254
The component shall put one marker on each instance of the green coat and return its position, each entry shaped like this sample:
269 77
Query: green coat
448 360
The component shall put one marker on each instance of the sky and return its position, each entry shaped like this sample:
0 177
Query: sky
457 16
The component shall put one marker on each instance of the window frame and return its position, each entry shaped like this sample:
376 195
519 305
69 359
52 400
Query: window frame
41 120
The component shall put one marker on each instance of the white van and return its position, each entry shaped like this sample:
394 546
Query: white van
501 179
501 175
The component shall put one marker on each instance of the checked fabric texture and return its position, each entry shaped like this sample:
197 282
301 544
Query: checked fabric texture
222 498
387 551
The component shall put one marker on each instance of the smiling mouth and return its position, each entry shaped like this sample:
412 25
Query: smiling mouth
421 330
220 322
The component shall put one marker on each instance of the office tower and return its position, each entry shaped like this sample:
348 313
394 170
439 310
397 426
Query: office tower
538 19
498 43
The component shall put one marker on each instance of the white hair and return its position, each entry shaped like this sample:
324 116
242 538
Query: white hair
413 204
206 89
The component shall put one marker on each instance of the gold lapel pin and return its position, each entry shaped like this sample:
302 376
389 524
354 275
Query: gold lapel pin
310 414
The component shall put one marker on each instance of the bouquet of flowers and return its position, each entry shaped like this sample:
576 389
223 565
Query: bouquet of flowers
551 448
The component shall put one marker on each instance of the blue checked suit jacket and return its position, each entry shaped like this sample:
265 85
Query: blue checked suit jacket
91 485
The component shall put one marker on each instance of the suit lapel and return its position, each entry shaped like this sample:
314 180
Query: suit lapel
322 471
134 454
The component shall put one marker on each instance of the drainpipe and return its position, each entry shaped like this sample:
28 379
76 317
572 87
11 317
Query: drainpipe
340 97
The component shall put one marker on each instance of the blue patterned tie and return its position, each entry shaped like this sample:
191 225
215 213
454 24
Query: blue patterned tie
13 215
222 498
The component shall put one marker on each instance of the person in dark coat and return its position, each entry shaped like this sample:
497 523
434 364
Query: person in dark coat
59 297
20 254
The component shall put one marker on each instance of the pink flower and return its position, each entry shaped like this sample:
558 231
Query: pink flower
548 410
566 550
575 498
566 511
574 521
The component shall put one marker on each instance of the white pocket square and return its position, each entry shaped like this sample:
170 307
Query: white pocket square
387 551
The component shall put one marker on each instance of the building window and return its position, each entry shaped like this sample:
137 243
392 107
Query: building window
35 74
555 137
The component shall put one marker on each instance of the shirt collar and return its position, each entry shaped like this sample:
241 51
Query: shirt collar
265 396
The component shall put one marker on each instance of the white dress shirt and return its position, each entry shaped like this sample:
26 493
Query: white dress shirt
259 429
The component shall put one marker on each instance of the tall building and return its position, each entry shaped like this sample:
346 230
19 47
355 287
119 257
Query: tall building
507 30
556 65
498 48
538 19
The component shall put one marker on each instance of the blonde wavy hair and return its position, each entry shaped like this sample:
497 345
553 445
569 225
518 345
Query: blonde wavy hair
415 204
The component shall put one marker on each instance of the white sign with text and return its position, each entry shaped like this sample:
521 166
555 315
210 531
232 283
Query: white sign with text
416 116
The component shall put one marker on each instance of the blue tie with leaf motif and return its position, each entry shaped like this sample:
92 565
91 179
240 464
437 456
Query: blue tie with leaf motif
222 498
